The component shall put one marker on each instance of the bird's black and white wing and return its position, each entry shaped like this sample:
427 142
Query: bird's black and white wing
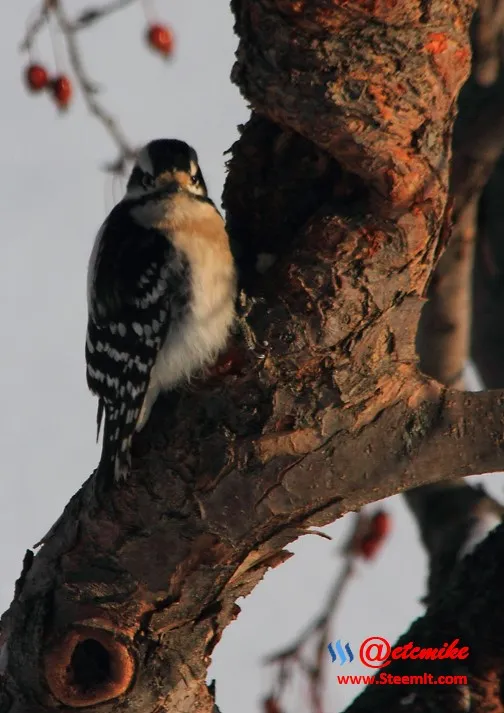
137 289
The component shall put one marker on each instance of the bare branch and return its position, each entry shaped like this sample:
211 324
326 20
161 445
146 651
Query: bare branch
365 540
69 29
89 92
318 633
36 24
92 15
159 591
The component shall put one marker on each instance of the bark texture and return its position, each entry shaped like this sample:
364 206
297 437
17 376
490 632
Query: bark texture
342 175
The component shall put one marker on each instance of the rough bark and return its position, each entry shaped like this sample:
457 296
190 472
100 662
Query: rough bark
152 582
132 589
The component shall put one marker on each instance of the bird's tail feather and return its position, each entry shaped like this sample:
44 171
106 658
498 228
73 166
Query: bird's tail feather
115 461
99 417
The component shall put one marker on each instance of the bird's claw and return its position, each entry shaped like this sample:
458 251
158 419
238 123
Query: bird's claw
246 305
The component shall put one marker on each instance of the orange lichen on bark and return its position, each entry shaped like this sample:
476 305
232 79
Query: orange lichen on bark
382 100
463 55
436 42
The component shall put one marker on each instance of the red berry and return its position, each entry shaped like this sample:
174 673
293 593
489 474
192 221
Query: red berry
369 546
270 705
380 524
231 361
62 90
36 77
160 39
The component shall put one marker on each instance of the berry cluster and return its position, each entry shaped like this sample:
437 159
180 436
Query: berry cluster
60 86
158 37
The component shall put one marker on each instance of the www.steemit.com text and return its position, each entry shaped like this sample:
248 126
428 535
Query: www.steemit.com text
426 679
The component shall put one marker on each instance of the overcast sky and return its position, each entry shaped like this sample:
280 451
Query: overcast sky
52 200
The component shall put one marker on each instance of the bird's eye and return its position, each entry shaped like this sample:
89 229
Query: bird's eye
194 180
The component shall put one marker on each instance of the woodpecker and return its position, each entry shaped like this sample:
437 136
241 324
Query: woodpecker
161 294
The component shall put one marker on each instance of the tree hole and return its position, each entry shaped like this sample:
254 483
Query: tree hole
90 665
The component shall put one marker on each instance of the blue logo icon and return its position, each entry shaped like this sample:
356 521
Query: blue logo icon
338 652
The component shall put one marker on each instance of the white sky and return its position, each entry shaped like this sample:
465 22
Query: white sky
52 201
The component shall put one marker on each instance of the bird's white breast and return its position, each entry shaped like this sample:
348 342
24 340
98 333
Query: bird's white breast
198 232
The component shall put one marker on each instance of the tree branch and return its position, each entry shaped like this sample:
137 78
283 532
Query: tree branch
88 87
109 575
126 151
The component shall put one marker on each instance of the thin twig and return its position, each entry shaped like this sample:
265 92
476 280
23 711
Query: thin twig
321 621
317 631
365 540
92 15
88 88
89 91
34 27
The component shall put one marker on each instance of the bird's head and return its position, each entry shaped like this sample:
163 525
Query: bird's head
166 161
